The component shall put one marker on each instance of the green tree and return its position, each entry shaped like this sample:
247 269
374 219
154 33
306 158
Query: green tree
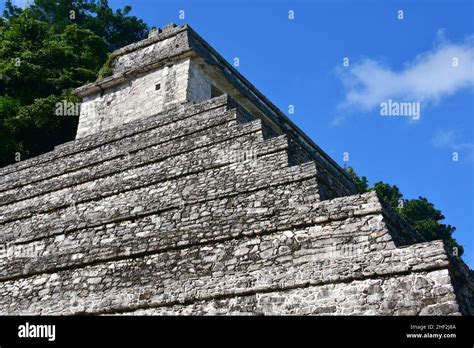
46 51
8 146
11 10
390 194
426 219
419 213
362 184
38 69
117 27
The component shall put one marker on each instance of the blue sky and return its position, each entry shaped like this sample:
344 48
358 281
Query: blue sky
300 62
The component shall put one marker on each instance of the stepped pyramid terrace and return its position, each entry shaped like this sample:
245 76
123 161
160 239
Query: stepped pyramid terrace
187 192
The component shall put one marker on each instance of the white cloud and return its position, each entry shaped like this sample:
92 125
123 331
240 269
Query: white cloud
443 139
429 77
450 139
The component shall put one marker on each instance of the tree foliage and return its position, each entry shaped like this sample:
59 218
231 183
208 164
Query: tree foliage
117 27
362 184
47 50
419 212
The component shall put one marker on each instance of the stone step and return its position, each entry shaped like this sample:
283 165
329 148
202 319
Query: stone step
203 222
236 267
154 136
85 247
266 211
228 180
205 140
217 105
396 295
167 173
221 212
292 213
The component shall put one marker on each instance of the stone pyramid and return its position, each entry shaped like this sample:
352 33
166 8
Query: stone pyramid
188 192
